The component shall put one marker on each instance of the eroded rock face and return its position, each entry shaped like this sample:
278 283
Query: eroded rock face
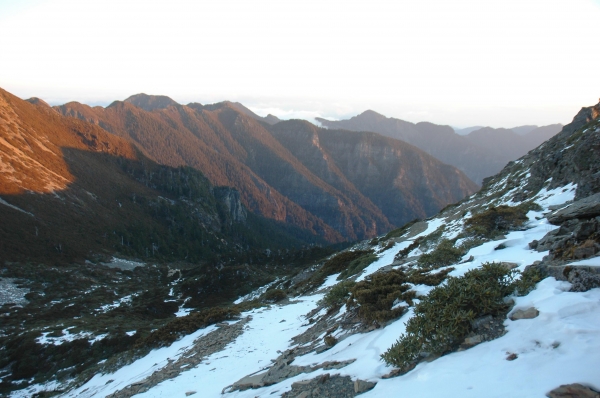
334 386
583 280
574 390
576 239
572 156
232 200
584 208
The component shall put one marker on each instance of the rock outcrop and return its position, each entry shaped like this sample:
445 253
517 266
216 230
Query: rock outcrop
587 207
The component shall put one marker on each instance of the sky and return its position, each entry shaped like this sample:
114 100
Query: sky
462 63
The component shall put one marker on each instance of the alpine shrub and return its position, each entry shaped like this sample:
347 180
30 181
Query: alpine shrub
444 254
375 296
443 319
338 294
497 220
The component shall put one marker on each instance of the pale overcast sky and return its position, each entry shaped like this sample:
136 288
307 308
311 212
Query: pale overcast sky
463 62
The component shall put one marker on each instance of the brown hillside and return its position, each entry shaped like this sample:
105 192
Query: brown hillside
34 162
276 178
233 149
69 190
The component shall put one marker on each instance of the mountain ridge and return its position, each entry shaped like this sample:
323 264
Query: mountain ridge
231 147
481 152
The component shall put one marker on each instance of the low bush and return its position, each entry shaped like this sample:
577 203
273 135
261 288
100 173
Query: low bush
330 340
443 319
529 278
423 277
274 295
497 220
405 252
444 254
375 296
338 294
357 265
398 232
342 261
347 263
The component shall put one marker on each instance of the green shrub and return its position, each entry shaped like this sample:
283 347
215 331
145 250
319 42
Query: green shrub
497 220
432 239
347 263
443 319
338 294
424 277
179 327
357 265
529 278
375 296
274 295
444 254
342 261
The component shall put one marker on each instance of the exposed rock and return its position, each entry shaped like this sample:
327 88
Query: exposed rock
583 208
561 272
529 313
582 280
574 390
584 251
282 370
361 386
232 200
534 244
334 386
512 357
399 372
472 341
585 229
549 240
188 393
481 321
485 328
509 265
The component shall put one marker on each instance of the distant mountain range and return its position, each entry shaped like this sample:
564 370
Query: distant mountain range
150 177
477 151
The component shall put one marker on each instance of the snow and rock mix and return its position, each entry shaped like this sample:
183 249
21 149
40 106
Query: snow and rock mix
345 326
548 346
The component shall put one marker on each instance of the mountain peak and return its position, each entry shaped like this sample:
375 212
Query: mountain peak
38 101
369 113
151 102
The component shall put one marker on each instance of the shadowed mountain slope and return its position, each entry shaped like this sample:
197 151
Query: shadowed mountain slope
239 149
396 177
70 190
178 136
